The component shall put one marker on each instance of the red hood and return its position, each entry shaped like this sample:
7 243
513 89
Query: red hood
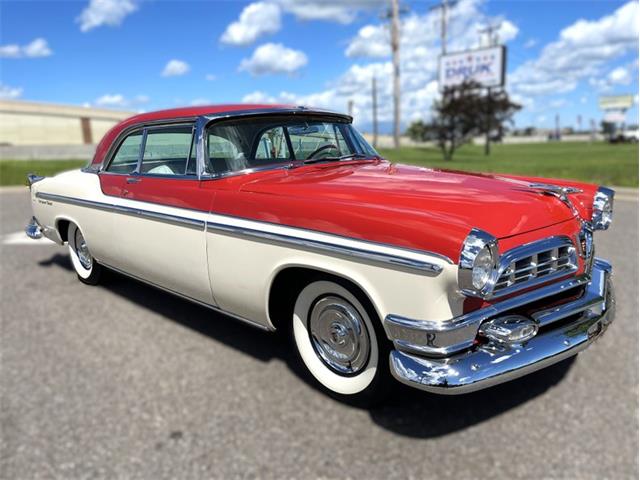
498 205
401 205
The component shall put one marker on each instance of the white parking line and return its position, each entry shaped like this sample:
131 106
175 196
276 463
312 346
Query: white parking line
20 238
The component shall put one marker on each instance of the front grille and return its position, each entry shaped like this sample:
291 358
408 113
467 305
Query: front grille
535 263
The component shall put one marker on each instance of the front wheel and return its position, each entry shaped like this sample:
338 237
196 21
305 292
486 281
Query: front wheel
334 333
88 270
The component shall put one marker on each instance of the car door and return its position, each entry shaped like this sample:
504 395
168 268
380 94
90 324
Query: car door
160 212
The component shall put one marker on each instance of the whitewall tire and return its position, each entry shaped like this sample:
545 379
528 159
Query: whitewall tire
334 333
87 268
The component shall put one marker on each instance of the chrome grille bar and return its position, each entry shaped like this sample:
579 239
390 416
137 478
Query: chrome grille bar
534 263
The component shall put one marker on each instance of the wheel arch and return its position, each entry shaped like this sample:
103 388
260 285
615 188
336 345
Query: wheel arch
289 279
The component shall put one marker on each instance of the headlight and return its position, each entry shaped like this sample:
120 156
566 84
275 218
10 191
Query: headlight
602 209
477 266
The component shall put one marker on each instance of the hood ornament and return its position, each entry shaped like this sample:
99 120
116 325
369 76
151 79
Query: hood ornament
559 192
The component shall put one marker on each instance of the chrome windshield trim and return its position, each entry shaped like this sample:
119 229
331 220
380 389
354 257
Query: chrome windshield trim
203 122
396 261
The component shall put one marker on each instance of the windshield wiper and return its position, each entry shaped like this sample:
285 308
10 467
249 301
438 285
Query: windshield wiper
348 156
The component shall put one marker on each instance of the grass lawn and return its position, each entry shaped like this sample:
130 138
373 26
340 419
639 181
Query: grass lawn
599 162
14 172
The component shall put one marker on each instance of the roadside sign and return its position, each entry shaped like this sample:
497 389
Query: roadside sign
485 66
616 102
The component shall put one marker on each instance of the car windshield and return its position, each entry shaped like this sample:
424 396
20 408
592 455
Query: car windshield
253 143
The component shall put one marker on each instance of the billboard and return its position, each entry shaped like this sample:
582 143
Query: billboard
485 66
616 102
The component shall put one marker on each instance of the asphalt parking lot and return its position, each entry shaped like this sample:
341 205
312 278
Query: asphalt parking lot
124 381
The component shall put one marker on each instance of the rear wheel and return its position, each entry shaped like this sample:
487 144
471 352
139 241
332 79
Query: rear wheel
334 333
88 270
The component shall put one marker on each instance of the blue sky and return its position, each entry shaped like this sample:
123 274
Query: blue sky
134 55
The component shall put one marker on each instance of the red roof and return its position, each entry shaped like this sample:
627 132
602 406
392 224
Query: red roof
182 112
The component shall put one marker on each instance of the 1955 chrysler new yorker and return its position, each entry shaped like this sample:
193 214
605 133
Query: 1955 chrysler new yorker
287 219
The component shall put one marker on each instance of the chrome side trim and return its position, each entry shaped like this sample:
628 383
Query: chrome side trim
136 212
491 364
443 338
193 300
325 247
397 261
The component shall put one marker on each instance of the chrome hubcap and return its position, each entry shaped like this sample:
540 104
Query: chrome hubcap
339 335
83 251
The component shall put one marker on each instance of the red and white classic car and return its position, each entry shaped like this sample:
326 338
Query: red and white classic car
287 219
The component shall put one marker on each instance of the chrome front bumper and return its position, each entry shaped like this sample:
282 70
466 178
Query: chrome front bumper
581 321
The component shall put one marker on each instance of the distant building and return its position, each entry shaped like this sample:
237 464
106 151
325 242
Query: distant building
32 123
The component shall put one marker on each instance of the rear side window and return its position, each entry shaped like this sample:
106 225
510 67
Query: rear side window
167 151
126 158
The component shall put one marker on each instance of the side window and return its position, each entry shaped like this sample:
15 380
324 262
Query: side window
272 145
126 158
167 150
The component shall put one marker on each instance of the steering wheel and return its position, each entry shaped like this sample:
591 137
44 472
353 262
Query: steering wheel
321 149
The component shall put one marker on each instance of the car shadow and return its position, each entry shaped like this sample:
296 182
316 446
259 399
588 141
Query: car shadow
406 411
412 413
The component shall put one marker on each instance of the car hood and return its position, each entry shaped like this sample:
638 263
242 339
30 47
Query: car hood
499 205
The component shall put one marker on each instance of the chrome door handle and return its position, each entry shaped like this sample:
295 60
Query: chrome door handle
133 180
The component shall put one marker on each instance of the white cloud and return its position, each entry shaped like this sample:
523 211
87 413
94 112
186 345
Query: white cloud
558 103
200 101
619 76
258 97
111 100
210 77
581 52
117 100
257 19
619 27
420 47
371 41
175 68
507 31
532 42
105 12
9 93
274 58
37 48
338 11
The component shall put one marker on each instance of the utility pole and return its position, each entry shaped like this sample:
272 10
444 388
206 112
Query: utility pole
492 33
493 41
444 19
395 52
374 107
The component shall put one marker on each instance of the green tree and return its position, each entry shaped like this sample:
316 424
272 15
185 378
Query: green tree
455 117
462 112
495 110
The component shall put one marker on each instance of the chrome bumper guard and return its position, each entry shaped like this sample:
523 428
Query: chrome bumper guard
489 364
